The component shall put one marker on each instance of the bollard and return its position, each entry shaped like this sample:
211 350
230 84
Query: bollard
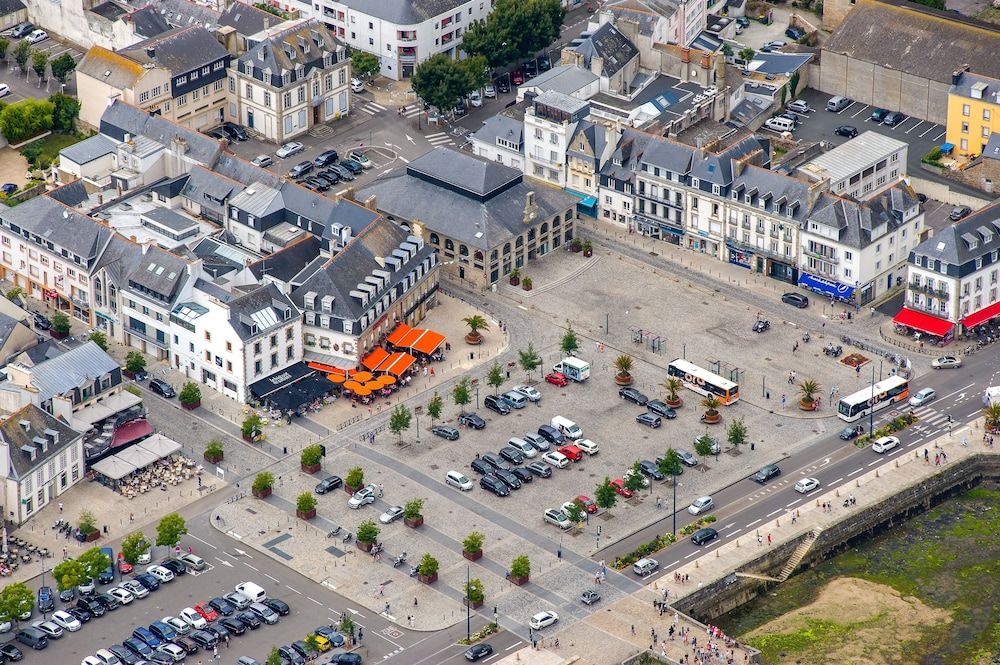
857 482
838 493
876 473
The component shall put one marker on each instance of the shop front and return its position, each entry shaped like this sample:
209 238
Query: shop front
826 287
658 229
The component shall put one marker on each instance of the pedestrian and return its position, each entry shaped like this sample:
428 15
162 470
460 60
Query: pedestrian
387 608
60 506
659 503
227 641
944 457
131 517
793 518
927 459
414 601
769 540
782 400
633 629
760 541
937 459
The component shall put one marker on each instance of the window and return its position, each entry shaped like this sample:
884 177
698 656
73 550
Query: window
966 109
182 100
986 114
181 80
267 99
287 99
144 96
964 144
248 91
217 86
986 131
965 128
195 95
302 94
342 76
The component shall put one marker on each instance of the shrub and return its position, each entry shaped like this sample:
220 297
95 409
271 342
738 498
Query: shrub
311 455
474 590
428 566
88 523
355 477
412 509
135 362
214 449
520 566
305 502
474 542
60 323
263 481
367 532
252 426
190 393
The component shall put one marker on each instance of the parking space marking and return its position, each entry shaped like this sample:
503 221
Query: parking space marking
929 129
914 127
293 590
274 579
202 541
846 108
862 110
939 136
314 600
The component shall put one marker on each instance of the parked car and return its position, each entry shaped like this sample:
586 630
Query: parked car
237 600
445 432
795 33
278 605
878 115
391 514
300 169
51 629
539 469
476 98
459 480
557 379
354 167
650 470
162 388
328 484
477 651
234 131
795 299
495 485
894 118
362 497
326 158
798 106
123 596
633 395
22 30
489 91
517 77
530 393
481 466
551 434
503 86
572 452
37 36
648 419
543 620
357 85
193 618
959 212
190 560
360 158
556 459
619 485
46 601
222 606
661 409
495 403
471 420
263 161
289 149
846 130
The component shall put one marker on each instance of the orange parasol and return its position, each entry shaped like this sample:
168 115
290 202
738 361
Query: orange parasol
336 378
373 385
361 390
352 385
362 377
387 379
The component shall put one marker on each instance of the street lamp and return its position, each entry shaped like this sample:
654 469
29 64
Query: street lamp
468 606
871 404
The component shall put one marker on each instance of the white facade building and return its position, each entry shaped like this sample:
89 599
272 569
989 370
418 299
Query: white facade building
860 168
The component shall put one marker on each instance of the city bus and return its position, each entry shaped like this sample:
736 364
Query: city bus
874 397
704 382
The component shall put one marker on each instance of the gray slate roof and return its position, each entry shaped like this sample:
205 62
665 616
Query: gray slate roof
947 245
39 425
300 40
776 187
288 262
71 370
501 126
248 20
147 22
264 307
404 12
670 155
133 266
644 12
992 149
88 150
10 6
628 153
64 227
72 194
121 118
780 63
181 13
566 79
717 167
856 220
459 170
609 43
180 50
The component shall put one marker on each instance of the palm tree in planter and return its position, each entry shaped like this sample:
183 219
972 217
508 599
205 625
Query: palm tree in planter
520 570
367 535
213 452
411 513
992 415
311 459
263 484
355 480
476 323
526 283
252 427
305 506
711 415
190 396
808 389
515 276
588 248
474 593
472 546
623 364
673 385
427 571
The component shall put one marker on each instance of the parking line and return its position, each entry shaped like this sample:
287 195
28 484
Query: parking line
274 579
939 136
202 541
929 129
862 110
846 108
314 600
914 127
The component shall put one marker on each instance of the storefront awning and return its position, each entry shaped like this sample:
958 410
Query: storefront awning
279 380
160 446
825 287
397 363
983 315
375 358
295 396
923 322
398 334
428 342
137 456
327 368
130 432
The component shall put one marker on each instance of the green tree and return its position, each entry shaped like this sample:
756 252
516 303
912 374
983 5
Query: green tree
808 389
134 545
670 465
263 481
252 426
428 565
93 562
474 590
529 360
311 455
473 542
520 566
355 477
703 446
793 83
412 509
570 342
495 377
367 532
68 574
16 599
727 50
65 111
784 94
4 45
364 65
435 407
515 29
604 495
746 55
135 362
312 643
22 53
737 433
634 479
574 511
170 529
14 294
60 323
346 625
462 394
274 658
305 502
400 420
40 63
476 322
87 523
26 118
100 339
442 81
62 67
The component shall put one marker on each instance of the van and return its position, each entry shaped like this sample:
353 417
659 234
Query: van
522 446
836 104
644 567
255 593
567 427
780 124
32 637
515 400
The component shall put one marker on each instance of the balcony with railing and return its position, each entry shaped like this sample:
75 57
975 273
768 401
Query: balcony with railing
144 334
933 309
828 255
406 35
929 290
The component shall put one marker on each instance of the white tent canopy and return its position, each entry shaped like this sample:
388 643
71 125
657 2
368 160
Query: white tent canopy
160 445
114 467
137 456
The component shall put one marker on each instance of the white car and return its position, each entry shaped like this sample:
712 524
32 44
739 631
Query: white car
946 362
193 619
160 573
702 504
4 89
92 660
362 497
530 393
105 657
884 444
925 395
357 85
289 149
806 485
66 621
180 625
476 98
123 596
490 91
262 161
50 628
459 480
37 36
543 620
144 558
774 125
587 446
6 627
172 650
558 518
135 589
391 514
556 459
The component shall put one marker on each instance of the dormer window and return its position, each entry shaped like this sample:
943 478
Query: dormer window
716 189
695 183
736 196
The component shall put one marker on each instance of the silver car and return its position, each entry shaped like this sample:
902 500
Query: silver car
289 149
701 505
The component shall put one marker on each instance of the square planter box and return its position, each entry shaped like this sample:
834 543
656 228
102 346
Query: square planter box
474 604
92 536
191 406
364 547
519 581
262 494
350 490
213 459
413 523
307 515
427 579
473 556
310 468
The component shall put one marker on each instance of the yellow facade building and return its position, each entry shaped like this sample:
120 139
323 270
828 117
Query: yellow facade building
973 112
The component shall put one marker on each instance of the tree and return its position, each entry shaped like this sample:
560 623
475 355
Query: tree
311 455
252 427
808 389
605 496
69 574
364 65
190 393
60 323
462 394
14 294
135 362
476 323
992 415
727 50
312 644
412 508
623 364
26 118
65 111
5 44
474 590
93 562
634 479
263 481
22 53
703 446
746 55
670 464
305 503
134 545
442 81
570 342
574 511
435 407
737 434
495 377
672 385
515 29
62 67
520 566
529 360
170 529
15 600
274 658
88 523
100 339
367 532
355 477
346 625
711 404
428 566
473 542
40 63
793 82
400 420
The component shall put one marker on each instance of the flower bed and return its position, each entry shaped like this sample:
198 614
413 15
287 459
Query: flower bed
644 550
897 424
855 360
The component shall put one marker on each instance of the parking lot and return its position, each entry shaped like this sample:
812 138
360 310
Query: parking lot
27 86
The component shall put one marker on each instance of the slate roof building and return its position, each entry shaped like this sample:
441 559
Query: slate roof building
608 53
484 218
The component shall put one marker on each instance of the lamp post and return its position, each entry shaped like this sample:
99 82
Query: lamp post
417 416
468 607
607 323
871 404
674 525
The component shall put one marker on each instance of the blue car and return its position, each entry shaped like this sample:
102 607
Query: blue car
148 581
144 634
138 647
163 631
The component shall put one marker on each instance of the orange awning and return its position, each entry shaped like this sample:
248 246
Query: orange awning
398 334
428 343
375 358
397 363
330 369
407 340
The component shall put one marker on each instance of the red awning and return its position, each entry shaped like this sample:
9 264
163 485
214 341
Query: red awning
983 315
375 358
330 369
428 342
396 335
130 432
923 322
397 363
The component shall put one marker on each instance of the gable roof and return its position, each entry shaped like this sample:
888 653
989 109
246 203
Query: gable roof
259 311
463 173
566 79
61 225
404 12
947 244
288 262
147 22
923 42
647 13
71 370
10 6
40 427
609 43
501 126
181 13
144 268
88 150
179 50
109 67
71 194
248 20
120 119
297 44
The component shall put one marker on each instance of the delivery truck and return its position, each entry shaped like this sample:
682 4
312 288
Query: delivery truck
573 368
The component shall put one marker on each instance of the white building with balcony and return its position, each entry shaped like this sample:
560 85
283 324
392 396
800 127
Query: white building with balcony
549 125
859 168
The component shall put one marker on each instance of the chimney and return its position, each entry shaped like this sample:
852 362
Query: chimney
372 203
815 189
349 194
685 55
706 60
530 208
151 53
700 147
956 76
596 65
25 425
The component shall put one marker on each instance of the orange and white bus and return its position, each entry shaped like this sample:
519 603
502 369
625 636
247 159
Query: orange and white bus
702 381
874 397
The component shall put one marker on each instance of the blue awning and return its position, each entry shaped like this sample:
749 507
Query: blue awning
585 199
947 147
825 287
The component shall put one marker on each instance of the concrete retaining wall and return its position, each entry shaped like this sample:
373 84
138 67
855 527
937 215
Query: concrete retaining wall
940 191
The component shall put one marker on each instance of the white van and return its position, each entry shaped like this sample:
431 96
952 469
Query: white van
780 124
587 446
569 429
836 104
644 567
255 593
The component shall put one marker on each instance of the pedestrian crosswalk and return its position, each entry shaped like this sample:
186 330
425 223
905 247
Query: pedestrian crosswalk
413 111
928 416
439 139
371 108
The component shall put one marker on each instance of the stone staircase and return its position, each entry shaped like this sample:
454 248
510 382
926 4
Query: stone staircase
793 561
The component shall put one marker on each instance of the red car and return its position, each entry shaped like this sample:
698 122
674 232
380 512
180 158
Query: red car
572 452
617 483
124 567
206 611
517 76
557 379
587 503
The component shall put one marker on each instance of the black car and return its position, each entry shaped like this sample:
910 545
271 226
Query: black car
160 658
330 175
495 485
328 484
552 435
539 469
651 470
795 32
512 455
326 158
477 651
175 566
445 432
329 182
138 647
22 30
508 478
766 473
42 322
316 184
290 655
495 462
530 69
795 299
217 134
304 650
846 130
852 432
127 656
481 466
90 606
249 619
80 615
893 119
878 115
341 172
330 633
217 629
459 110
471 420
300 169
494 403
648 419
702 536
162 388
234 131
345 658
109 602
503 85
633 395
233 625
222 606
352 166
661 409
544 64
279 606
186 644
522 474
148 581
11 652
203 639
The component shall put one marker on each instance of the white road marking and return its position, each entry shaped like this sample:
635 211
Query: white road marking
495 655
224 562
251 567
273 579
878 461
692 554
789 505
960 389
731 524
292 590
859 470
929 129
914 127
404 159
202 541
242 553
773 513
674 563
513 646
410 139
752 523
837 480
341 192
314 600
